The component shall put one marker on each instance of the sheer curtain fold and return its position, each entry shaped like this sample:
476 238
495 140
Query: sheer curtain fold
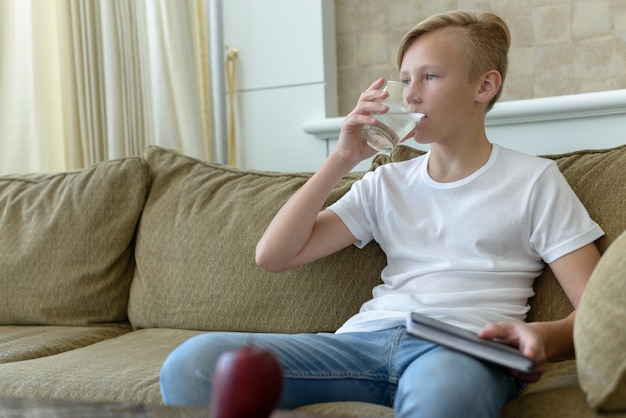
128 74
30 104
181 111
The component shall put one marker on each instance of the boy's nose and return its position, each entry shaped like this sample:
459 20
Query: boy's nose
412 95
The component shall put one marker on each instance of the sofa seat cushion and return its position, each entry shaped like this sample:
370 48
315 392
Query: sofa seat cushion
66 243
600 331
562 399
348 409
555 372
124 368
195 255
25 342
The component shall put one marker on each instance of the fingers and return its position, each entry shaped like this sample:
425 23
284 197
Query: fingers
376 87
378 84
502 331
516 335
351 144
368 103
525 340
533 376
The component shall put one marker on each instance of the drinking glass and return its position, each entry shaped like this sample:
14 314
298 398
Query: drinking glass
395 125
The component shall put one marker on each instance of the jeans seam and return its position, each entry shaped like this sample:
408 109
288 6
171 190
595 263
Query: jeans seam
392 375
337 375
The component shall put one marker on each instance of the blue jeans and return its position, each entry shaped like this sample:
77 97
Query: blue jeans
416 377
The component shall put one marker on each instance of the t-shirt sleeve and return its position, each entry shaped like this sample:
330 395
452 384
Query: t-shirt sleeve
352 209
560 223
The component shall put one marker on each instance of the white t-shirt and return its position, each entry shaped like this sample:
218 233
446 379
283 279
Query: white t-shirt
465 252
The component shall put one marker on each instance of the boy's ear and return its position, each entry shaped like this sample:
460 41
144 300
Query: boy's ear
491 82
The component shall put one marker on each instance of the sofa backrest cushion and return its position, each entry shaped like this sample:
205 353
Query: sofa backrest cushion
598 177
66 243
195 255
197 235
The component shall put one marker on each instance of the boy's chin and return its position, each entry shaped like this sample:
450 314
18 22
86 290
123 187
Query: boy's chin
421 140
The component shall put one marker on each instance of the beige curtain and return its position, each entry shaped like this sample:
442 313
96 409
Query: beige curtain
31 128
123 75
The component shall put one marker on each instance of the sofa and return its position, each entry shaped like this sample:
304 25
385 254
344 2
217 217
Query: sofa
105 270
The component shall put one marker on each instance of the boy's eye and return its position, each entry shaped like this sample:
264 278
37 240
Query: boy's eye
406 82
430 76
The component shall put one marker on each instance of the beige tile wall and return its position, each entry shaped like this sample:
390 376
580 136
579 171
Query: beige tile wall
558 46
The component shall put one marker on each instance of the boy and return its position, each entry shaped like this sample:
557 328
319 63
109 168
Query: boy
466 228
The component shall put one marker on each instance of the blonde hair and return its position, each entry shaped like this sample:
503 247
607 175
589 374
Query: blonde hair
484 37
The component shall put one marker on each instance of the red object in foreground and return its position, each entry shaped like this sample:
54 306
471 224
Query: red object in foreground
247 383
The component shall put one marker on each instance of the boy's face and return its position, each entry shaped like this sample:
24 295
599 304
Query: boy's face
436 73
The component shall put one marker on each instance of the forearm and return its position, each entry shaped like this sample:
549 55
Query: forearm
573 271
292 227
300 233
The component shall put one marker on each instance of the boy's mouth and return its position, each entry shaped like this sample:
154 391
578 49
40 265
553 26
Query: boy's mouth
414 130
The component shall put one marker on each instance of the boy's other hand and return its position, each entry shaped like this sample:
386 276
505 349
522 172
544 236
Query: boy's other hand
525 339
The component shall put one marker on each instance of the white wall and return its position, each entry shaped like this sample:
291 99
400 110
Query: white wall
286 74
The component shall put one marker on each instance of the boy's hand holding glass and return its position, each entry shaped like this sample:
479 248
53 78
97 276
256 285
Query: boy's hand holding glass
395 125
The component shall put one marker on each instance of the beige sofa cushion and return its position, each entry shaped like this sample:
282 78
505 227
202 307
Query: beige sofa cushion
122 369
18 343
65 252
348 409
598 178
600 333
195 255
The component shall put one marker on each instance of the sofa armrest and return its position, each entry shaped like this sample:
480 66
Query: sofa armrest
599 332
